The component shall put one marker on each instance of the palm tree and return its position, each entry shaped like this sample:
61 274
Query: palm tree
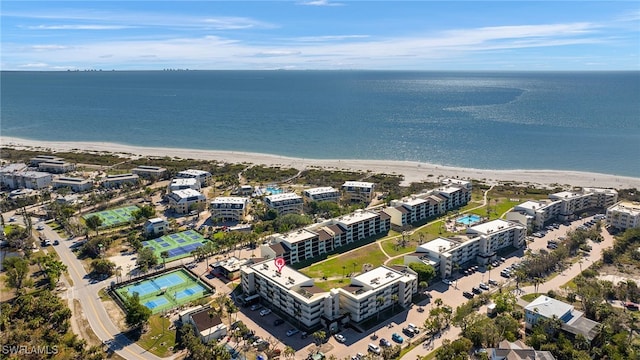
379 302
164 255
289 352
489 267
319 336
394 301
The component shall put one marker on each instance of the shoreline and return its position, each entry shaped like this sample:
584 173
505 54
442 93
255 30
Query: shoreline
412 171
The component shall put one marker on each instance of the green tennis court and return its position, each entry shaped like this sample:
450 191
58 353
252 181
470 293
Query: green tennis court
178 245
114 217
166 291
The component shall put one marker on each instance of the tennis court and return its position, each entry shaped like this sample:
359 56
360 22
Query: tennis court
178 245
166 291
114 217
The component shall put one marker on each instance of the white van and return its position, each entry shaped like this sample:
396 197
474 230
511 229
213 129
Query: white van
374 348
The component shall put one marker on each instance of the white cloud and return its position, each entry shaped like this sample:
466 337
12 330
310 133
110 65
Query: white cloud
329 38
320 3
79 27
39 65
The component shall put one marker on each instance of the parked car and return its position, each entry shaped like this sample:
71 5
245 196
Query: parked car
265 312
397 338
384 342
340 338
56 242
408 331
292 331
467 294
476 290
304 335
374 348
446 281
483 286
255 307
493 282
277 322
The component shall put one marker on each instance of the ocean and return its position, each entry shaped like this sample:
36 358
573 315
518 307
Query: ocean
584 121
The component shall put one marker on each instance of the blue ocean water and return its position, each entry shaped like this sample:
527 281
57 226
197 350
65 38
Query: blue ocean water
586 121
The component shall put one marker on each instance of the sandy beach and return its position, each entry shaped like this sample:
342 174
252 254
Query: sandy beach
412 171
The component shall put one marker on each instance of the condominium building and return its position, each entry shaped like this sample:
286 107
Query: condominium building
184 183
624 215
36 160
232 208
285 203
446 255
458 183
535 214
204 177
601 198
495 235
75 184
360 299
573 321
230 268
295 295
56 166
291 293
185 201
121 179
326 236
359 191
24 179
149 172
326 193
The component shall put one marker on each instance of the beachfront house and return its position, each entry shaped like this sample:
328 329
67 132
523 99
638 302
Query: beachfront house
359 191
229 208
285 203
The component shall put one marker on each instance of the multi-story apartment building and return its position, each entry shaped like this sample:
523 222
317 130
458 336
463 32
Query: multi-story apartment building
601 198
149 172
446 254
203 176
232 208
360 298
25 179
290 293
118 180
535 214
326 236
321 194
285 203
75 184
495 235
56 166
294 294
624 215
184 183
36 160
185 201
359 191
458 183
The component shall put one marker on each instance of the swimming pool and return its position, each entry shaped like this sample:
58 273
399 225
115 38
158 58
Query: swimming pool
469 219
274 190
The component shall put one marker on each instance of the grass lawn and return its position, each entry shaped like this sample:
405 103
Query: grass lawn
398 261
389 246
353 261
159 339
331 284
530 297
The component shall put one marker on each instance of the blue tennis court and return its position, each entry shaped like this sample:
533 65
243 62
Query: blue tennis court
178 245
152 304
168 281
189 292
143 289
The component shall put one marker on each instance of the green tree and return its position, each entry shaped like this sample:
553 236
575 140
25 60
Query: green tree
319 337
425 272
94 222
137 314
380 300
146 259
16 271
103 266
53 269
164 255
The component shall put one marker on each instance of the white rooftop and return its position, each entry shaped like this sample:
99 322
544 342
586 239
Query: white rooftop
156 220
438 245
449 189
492 227
320 190
297 236
34 174
632 208
531 205
413 201
377 278
287 278
357 216
565 195
283 196
361 184
232 263
194 172
229 200
186 193
184 181
547 307
12 168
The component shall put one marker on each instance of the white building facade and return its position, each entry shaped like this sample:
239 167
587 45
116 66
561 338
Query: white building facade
185 201
285 203
229 208
204 177
624 215
359 191
321 194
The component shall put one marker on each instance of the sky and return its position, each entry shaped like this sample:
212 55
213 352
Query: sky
320 34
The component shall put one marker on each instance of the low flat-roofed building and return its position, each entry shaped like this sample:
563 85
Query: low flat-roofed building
185 201
459 183
111 181
573 321
359 191
56 166
230 268
155 226
75 184
495 235
203 176
624 215
232 208
291 293
360 298
149 172
184 183
36 160
446 254
285 203
326 193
